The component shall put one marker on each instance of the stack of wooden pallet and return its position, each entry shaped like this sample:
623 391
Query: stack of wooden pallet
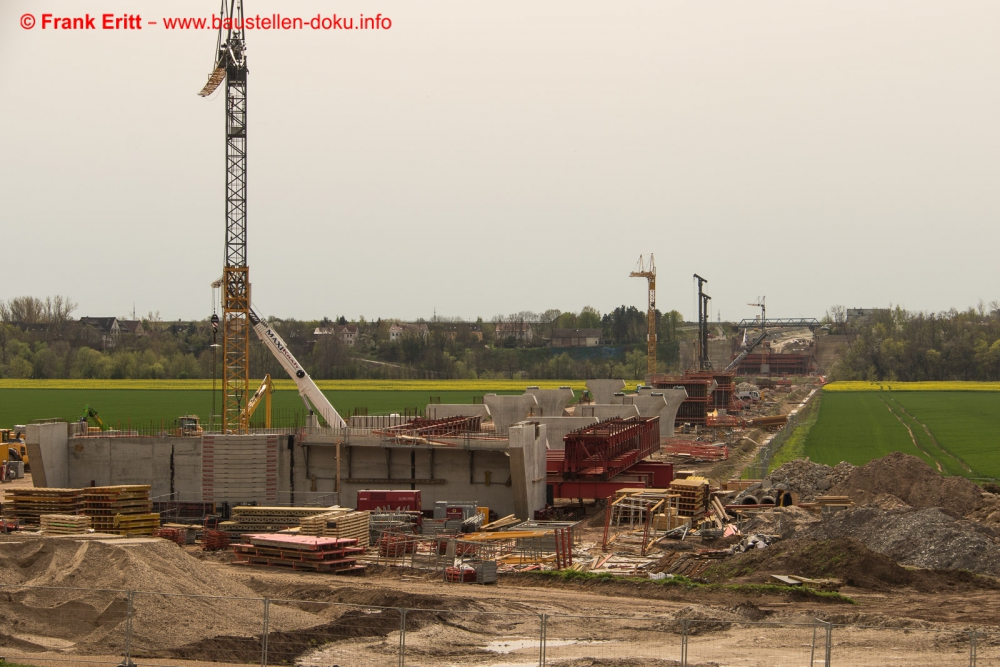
125 509
300 552
693 493
261 519
829 504
29 504
64 524
340 522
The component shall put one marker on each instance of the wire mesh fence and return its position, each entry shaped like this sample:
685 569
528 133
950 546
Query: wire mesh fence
62 626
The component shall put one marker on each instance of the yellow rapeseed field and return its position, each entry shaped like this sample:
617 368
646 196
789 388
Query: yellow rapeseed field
284 383
858 385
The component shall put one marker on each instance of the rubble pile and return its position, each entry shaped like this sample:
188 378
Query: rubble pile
912 481
929 537
809 479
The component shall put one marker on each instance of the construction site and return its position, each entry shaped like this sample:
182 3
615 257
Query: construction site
624 525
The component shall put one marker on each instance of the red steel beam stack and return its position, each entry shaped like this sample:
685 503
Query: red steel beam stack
608 448
298 552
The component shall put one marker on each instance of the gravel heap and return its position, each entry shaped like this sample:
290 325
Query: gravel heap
809 480
929 537
912 481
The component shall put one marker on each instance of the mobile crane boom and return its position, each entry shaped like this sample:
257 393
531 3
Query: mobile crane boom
310 393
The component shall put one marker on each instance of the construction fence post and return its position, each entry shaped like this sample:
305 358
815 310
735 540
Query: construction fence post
684 643
829 644
263 635
812 647
972 649
402 637
129 613
541 640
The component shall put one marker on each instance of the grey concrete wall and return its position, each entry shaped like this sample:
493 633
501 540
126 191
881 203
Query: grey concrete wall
445 410
187 469
112 461
603 391
552 402
47 452
527 468
508 410
602 412
458 474
674 398
556 428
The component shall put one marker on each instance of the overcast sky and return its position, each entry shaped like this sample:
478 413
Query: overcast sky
487 157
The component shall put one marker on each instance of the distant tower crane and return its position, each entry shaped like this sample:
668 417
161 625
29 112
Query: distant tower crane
648 271
231 65
704 363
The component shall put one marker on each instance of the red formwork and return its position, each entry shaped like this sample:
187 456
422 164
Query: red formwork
643 475
605 449
778 364
694 409
722 396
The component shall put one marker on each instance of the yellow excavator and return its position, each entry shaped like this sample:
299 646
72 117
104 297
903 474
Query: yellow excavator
263 393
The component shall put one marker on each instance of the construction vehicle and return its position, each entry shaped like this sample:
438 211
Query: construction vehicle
263 393
314 399
188 426
13 446
749 347
93 420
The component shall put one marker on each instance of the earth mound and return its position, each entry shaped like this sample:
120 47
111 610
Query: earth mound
846 559
912 481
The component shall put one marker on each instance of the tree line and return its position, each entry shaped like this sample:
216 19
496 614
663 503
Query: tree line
895 344
41 339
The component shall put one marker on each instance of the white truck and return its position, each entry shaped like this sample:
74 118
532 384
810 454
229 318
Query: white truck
311 395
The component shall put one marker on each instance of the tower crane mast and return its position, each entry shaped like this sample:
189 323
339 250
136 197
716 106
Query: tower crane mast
648 271
231 66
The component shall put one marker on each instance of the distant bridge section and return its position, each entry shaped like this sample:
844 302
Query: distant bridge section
781 323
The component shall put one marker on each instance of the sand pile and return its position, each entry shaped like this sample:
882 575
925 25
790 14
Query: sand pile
912 481
929 537
64 616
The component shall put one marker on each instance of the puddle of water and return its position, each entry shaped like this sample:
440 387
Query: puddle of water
511 645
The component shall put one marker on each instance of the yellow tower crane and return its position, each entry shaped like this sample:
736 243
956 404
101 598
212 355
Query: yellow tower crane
648 271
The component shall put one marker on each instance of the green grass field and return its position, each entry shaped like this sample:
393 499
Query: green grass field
956 432
141 408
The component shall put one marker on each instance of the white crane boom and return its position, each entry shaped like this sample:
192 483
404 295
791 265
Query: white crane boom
310 393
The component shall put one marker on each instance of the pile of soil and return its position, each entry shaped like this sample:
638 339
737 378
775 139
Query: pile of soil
930 538
846 559
809 480
912 481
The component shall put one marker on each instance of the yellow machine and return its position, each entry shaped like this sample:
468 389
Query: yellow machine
13 438
188 425
263 393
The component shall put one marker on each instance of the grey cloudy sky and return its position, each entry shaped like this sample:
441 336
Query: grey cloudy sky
489 157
